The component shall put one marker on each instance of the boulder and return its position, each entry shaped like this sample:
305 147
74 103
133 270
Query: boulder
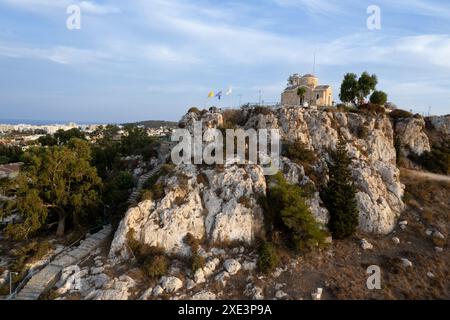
232 266
366 245
222 278
215 210
171 284
204 295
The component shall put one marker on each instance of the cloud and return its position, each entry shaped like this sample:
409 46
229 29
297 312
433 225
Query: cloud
313 6
44 6
56 54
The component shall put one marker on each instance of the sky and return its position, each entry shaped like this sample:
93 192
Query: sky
153 59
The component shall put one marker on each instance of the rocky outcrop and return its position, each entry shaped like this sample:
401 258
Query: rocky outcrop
370 143
441 124
412 136
219 205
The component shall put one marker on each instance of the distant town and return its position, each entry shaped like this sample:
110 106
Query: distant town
24 135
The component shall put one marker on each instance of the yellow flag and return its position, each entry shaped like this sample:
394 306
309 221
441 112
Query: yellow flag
211 94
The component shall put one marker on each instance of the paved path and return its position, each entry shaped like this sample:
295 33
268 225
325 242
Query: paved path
49 275
427 175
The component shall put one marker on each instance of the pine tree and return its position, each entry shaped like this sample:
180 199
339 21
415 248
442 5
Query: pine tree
340 195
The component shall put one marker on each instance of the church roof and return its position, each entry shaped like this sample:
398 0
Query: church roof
322 87
309 76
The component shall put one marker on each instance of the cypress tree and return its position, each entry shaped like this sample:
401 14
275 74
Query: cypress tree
340 195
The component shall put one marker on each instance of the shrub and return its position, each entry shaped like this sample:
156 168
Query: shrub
371 108
437 160
268 259
285 208
233 119
197 261
245 201
156 266
202 179
400 114
194 110
146 195
379 98
152 260
153 193
31 252
262 110
340 195
298 152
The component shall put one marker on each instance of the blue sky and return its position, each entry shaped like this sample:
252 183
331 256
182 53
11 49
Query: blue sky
153 59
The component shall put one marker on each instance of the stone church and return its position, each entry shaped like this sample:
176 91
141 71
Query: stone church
315 94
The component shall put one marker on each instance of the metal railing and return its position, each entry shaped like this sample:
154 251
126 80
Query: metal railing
30 274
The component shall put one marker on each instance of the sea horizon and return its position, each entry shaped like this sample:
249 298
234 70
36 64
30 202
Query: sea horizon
48 122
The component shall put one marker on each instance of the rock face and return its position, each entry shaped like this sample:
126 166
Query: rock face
218 205
441 124
370 143
412 137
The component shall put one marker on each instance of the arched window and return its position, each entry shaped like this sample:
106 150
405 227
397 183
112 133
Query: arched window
318 96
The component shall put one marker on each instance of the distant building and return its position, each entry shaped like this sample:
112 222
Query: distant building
315 94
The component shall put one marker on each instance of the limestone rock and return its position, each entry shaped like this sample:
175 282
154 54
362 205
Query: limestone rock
249 265
410 132
406 263
232 266
254 292
318 294
222 278
199 276
438 235
280 294
204 295
157 291
366 245
118 289
171 284
214 209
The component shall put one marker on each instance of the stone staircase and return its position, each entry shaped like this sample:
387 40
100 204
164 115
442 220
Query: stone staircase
132 200
50 274
164 152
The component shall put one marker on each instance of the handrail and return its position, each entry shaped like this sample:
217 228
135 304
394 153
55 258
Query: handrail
35 271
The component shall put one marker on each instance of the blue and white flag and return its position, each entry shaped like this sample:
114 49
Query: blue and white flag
219 95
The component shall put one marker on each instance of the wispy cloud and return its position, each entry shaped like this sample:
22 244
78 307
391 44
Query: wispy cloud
89 7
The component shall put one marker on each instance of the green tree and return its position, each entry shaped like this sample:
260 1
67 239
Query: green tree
340 195
366 84
301 92
61 137
354 89
349 88
379 98
136 141
286 208
56 181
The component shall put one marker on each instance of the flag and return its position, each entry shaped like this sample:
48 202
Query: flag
211 94
230 91
219 95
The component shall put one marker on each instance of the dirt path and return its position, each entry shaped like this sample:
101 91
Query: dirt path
427 175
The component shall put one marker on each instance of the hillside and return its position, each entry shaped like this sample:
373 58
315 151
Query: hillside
203 231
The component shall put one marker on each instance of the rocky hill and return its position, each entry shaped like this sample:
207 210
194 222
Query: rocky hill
220 205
